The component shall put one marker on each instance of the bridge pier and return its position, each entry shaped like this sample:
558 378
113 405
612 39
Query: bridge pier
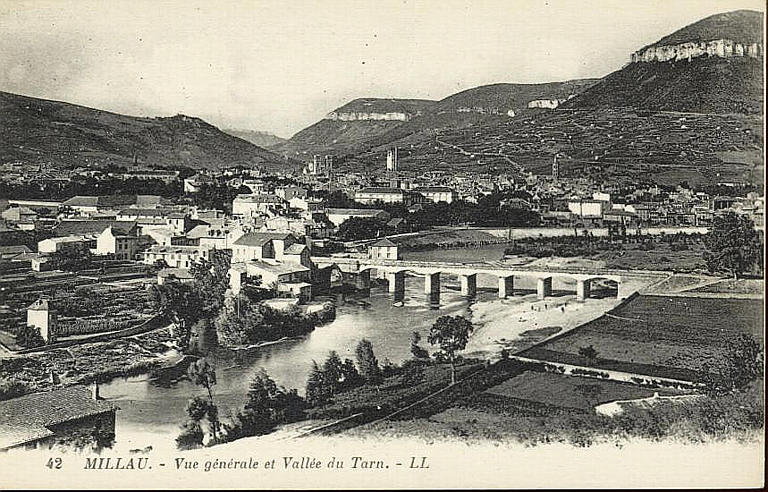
432 286
363 281
506 286
397 285
544 287
469 285
583 288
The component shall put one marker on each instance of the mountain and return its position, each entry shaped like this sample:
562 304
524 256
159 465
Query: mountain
351 125
625 128
256 137
40 130
502 98
714 65
366 123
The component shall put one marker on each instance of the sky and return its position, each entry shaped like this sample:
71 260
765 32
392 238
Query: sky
279 66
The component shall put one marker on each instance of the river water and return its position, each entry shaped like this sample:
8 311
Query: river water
151 414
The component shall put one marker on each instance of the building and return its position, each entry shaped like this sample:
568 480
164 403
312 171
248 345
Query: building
276 260
194 184
289 192
41 419
588 209
253 205
175 256
116 242
384 249
339 215
92 204
437 193
261 245
66 244
42 315
386 195
92 228
306 204
219 235
392 163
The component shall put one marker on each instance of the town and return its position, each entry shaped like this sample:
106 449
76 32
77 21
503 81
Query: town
514 263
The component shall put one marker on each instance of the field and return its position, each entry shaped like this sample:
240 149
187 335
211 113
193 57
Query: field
556 390
659 336
740 286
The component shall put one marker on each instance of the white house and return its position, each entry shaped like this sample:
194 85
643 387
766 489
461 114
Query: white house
385 195
384 249
437 193
175 256
252 205
42 315
113 241
339 215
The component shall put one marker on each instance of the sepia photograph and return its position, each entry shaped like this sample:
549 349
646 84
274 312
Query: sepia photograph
387 244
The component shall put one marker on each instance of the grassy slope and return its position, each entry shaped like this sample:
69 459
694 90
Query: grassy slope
38 130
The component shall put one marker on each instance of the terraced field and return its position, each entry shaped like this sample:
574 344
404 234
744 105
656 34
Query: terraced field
659 336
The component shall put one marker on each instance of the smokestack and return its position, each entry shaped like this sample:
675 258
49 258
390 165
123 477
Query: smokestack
95 391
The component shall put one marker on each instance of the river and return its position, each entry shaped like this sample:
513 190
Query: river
151 414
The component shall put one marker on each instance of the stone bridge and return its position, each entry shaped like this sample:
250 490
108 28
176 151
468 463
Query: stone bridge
467 272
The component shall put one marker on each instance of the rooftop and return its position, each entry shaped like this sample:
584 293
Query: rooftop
261 238
28 417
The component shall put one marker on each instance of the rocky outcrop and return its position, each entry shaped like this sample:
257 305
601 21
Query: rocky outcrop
360 116
723 48
548 103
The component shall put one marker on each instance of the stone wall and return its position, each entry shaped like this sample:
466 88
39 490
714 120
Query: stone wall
724 48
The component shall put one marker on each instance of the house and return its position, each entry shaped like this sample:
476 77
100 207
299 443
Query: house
437 193
14 253
19 215
588 209
66 244
92 204
261 245
116 242
175 256
42 315
289 279
252 205
289 192
306 204
339 215
384 249
386 195
194 184
219 234
180 275
41 419
93 228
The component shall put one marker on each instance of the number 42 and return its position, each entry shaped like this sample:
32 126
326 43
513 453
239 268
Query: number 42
54 463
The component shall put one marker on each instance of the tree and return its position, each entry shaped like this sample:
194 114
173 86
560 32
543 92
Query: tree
317 392
211 280
367 362
416 350
451 334
29 336
267 406
356 228
733 244
201 373
590 353
181 304
742 364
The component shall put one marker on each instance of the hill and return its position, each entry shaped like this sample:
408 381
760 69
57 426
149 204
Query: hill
367 123
740 26
501 98
259 138
708 67
40 130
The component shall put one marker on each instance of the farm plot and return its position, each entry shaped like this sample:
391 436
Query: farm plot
543 390
659 336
